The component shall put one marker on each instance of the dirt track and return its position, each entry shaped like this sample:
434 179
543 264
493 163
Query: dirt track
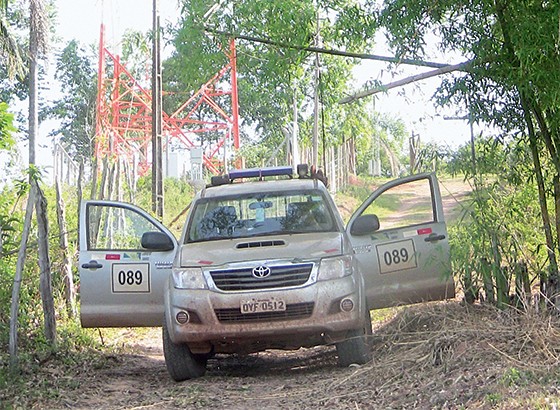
435 356
273 379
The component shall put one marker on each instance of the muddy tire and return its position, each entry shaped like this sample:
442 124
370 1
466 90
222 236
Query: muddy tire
180 362
357 347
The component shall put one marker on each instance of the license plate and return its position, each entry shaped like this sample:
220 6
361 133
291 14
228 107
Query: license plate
262 305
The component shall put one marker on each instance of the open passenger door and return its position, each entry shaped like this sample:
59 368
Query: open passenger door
125 257
400 239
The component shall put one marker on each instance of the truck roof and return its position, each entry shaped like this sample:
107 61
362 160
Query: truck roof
240 188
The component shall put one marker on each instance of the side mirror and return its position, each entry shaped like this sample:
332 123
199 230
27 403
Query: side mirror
156 241
364 225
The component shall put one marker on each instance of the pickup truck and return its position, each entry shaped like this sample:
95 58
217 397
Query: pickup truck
264 261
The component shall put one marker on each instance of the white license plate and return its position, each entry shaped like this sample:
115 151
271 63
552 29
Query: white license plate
263 305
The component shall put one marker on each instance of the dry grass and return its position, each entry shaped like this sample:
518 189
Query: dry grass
449 355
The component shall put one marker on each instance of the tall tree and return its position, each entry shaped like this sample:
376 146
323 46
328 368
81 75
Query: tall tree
75 70
38 31
513 83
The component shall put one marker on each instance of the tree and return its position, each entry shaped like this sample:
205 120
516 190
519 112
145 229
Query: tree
513 82
37 47
269 75
76 108
12 61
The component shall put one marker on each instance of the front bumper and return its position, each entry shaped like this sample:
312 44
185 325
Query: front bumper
313 316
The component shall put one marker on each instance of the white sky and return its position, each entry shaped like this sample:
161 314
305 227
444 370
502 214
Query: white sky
81 19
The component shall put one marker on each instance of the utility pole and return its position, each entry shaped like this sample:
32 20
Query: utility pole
315 139
375 167
295 146
157 146
414 145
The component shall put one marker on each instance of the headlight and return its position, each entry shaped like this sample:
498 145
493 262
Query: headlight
334 268
188 278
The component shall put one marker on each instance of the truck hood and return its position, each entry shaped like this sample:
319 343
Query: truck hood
306 246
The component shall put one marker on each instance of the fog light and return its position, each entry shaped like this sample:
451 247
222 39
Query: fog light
346 305
182 317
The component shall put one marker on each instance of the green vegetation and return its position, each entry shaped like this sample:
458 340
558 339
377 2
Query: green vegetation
75 345
506 237
6 127
497 244
52 372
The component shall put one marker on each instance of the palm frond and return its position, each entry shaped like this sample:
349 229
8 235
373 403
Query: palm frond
9 49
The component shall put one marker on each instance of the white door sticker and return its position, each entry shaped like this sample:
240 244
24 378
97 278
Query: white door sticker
131 277
396 256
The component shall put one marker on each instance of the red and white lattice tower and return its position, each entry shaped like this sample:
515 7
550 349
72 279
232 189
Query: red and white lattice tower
124 114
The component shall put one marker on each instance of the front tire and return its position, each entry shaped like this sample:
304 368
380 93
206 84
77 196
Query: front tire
181 363
356 348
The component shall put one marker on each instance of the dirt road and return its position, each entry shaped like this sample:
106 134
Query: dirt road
433 356
275 379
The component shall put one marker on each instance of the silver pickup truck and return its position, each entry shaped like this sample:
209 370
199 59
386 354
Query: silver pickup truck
264 262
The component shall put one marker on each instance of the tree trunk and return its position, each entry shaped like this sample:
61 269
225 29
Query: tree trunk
128 179
118 181
522 286
487 282
111 175
94 172
68 278
14 310
500 275
80 195
33 115
393 160
45 282
104 172
551 278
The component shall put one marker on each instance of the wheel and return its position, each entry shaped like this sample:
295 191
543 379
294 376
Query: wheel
180 362
356 348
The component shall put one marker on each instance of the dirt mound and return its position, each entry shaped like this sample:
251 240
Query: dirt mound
440 356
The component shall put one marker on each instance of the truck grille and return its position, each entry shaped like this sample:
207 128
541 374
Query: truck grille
293 311
279 277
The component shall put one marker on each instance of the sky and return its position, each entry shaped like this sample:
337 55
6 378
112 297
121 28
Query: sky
81 19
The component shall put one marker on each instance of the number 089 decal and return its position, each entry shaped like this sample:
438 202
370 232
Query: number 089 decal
131 277
396 256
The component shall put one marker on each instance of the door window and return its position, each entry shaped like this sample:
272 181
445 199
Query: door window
404 205
115 227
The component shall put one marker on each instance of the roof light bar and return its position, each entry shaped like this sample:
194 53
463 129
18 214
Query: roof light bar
251 173
261 172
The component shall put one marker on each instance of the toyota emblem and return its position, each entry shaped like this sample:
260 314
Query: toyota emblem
261 271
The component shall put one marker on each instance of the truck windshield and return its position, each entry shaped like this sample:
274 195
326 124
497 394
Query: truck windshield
259 214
